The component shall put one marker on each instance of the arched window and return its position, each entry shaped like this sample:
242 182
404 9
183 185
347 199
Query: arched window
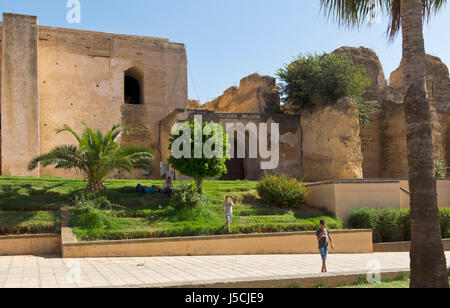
133 83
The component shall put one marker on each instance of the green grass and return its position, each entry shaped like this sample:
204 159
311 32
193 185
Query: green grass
29 222
399 282
151 216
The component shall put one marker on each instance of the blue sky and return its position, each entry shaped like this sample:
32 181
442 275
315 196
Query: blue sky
227 40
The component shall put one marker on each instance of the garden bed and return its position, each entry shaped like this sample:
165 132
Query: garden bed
32 205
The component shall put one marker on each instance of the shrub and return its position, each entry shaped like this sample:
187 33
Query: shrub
282 191
445 222
187 196
91 219
316 78
86 201
390 225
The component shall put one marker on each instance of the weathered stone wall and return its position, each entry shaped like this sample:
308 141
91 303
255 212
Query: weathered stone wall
290 138
384 140
256 94
81 78
19 95
331 144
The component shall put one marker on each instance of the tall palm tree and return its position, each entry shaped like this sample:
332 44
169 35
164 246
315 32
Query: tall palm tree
96 155
428 264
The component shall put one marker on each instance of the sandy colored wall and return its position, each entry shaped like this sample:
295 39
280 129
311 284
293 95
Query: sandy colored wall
351 241
290 138
331 143
81 78
255 94
19 95
342 197
30 245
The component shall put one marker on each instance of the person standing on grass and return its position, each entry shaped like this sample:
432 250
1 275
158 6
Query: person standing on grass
322 237
228 207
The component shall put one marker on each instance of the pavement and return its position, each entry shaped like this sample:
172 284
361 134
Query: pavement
55 272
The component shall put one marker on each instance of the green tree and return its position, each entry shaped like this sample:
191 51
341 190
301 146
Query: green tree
428 264
317 79
96 155
211 163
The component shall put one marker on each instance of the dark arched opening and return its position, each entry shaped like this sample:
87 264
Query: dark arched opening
133 86
132 91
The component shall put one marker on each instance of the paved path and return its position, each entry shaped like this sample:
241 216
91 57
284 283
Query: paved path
32 271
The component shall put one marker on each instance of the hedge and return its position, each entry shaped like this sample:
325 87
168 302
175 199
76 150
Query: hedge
390 225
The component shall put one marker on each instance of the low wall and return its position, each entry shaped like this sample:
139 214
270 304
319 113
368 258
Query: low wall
343 196
346 241
30 245
402 246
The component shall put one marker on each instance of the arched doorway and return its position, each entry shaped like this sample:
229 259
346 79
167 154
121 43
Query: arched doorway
133 83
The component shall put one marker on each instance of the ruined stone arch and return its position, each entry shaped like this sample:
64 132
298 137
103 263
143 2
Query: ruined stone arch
134 86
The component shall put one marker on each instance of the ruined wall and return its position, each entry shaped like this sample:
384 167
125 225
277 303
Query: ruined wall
1 48
331 143
81 78
384 140
438 90
290 138
19 95
255 94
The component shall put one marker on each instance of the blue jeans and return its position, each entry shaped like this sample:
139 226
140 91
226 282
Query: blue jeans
323 252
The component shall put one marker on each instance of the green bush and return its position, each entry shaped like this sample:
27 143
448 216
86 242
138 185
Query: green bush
312 79
187 196
281 191
91 219
390 225
445 222
86 201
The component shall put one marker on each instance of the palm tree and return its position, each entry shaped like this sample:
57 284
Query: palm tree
96 155
428 264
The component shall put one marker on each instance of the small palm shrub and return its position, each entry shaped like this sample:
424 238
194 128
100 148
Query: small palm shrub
282 191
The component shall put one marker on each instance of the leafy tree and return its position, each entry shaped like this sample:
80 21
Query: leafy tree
96 155
315 79
213 138
428 264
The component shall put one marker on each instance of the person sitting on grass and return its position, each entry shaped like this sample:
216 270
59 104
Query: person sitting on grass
322 236
228 207
167 187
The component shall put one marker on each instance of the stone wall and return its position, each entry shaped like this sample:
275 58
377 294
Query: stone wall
290 138
81 78
331 144
255 94
19 95
384 140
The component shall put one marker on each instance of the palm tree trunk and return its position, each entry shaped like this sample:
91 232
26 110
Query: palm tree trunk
428 264
95 186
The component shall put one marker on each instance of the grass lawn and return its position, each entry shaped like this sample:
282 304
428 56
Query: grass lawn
29 222
36 201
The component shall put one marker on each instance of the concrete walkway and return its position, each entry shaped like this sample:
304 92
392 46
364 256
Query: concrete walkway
32 271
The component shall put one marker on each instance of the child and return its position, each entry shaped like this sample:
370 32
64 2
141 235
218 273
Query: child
228 207
167 187
322 237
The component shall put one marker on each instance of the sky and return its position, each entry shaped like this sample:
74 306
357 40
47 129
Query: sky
227 40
